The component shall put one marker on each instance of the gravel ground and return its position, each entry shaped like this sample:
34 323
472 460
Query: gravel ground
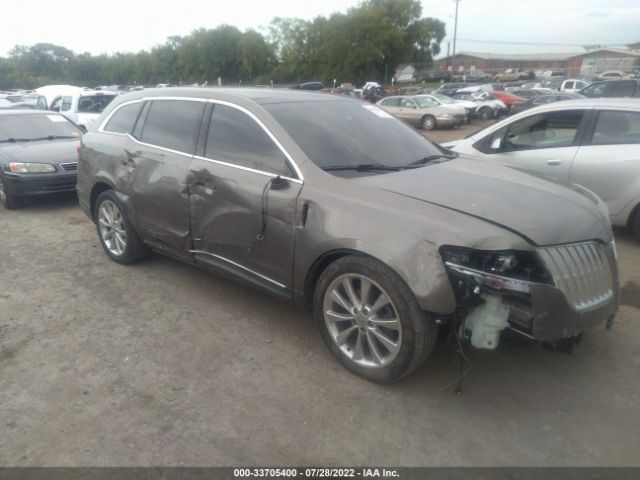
160 363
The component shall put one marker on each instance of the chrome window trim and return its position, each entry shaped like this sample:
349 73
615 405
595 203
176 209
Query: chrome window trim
247 169
204 252
251 115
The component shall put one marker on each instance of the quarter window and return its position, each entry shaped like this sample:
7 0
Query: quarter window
617 127
236 138
550 130
173 124
66 104
124 119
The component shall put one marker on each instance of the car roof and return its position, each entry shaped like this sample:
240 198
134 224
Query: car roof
593 103
261 96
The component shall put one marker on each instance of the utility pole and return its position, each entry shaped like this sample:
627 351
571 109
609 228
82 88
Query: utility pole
455 32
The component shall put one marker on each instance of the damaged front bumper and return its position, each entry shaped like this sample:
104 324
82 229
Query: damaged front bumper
584 293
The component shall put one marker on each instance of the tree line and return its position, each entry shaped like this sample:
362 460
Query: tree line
366 43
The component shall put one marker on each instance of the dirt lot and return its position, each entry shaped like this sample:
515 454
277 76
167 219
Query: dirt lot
163 364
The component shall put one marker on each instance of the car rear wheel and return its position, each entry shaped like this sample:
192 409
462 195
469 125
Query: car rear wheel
8 200
117 236
428 122
371 321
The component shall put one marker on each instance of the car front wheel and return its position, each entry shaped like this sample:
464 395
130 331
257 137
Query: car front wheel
636 225
117 236
8 200
370 319
428 122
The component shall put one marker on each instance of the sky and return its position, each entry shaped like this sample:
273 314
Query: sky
497 26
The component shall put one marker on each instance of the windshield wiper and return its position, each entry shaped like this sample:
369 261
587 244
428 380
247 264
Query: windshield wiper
14 140
51 137
363 167
438 158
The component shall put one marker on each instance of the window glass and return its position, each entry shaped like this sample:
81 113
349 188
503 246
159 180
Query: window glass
595 90
37 125
94 103
55 105
544 99
391 102
66 104
41 103
555 129
346 133
617 127
124 119
426 102
407 103
173 124
568 85
236 138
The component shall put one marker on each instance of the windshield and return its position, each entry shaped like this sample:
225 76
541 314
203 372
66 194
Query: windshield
345 133
28 127
94 103
443 98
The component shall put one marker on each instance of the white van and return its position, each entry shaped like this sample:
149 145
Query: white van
79 105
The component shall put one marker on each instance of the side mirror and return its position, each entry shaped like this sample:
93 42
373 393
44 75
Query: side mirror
279 183
82 128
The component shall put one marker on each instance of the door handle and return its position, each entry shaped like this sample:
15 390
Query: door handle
554 161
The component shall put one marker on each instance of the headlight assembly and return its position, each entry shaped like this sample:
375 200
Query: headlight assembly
20 167
502 270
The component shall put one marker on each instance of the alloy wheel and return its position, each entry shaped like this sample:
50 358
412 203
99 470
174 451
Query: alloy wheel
112 229
362 320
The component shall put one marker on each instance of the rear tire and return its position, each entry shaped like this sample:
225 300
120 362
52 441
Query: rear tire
370 320
635 226
428 122
117 236
485 113
8 199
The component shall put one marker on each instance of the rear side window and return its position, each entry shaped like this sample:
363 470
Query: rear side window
173 124
124 119
390 102
236 138
617 127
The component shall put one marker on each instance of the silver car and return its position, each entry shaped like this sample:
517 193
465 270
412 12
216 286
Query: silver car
594 143
422 111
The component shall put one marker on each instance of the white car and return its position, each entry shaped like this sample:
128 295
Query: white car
80 106
486 106
593 143
468 108
572 85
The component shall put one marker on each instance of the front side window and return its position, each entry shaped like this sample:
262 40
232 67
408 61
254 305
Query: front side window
547 130
236 138
595 90
616 128
55 105
407 103
426 102
123 120
173 124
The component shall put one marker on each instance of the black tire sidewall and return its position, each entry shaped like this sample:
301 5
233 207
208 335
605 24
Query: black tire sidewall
412 318
635 226
131 251
11 201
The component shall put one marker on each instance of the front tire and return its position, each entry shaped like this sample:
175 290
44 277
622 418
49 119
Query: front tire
117 236
370 320
8 200
485 113
635 226
428 122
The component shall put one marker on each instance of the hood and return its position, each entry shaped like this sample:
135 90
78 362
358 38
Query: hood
466 103
45 151
542 212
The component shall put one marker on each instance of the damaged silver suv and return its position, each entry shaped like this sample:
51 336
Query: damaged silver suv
336 205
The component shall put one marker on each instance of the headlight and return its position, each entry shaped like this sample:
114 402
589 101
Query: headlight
19 167
503 270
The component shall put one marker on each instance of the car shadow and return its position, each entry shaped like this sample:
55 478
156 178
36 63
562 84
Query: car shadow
53 201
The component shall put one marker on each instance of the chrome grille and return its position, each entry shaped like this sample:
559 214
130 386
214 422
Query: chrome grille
69 166
583 271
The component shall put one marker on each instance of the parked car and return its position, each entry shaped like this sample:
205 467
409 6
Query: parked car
449 89
487 106
511 74
572 85
382 234
508 98
435 76
81 106
421 111
592 143
612 75
468 108
29 101
553 83
309 86
38 154
611 89
543 100
527 93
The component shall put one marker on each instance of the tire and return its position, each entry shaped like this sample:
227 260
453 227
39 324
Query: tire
428 122
8 200
117 236
373 322
635 226
485 113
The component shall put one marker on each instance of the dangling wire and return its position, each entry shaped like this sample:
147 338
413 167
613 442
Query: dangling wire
463 373
265 207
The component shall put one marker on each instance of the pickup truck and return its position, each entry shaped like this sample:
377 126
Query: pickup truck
513 74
